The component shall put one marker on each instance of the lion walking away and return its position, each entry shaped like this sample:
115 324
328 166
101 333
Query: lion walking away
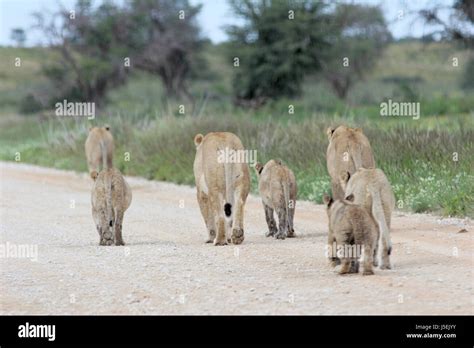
348 150
277 187
111 197
223 184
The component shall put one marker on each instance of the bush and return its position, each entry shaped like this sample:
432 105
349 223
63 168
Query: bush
29 105
468 76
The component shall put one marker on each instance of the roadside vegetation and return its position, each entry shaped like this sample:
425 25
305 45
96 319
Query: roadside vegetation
429 161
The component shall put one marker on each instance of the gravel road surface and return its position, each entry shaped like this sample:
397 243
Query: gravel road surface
51 263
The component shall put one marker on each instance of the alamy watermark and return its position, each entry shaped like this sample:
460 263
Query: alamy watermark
26 251
66 108
344 250
28 330
237 156
404 109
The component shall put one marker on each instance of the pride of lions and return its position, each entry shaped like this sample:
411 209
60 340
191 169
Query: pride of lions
359 211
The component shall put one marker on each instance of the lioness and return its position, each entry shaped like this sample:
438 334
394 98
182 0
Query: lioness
348 150
99 148
370 188
111 197
222 186
353 229
277 186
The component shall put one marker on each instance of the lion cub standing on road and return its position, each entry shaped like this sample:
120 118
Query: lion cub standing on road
277 186
222 184
352 225
111 197
99 148
371 189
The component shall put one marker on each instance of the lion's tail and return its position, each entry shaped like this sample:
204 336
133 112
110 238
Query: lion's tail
228 189
109 207
286 193
384 242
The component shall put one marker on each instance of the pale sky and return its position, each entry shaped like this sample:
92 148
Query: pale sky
214 15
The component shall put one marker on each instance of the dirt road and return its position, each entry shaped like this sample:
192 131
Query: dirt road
166 268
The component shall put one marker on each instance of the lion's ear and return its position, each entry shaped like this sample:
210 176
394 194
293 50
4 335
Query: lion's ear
327 200
258 168
350 198
94 175
107 127
358 130
198 139
329 132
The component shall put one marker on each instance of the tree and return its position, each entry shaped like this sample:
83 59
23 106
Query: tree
91 46
99 45
358 34
278 44
168 41
460 26
19 36
460 29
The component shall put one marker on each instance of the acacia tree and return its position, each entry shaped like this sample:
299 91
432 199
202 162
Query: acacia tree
167 40
91 47
277 45
459 28
460 23
97 46
357 36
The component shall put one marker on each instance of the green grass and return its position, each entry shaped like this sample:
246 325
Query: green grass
16 82
417 158
430 63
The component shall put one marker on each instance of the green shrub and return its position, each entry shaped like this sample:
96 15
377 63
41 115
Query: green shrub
30 105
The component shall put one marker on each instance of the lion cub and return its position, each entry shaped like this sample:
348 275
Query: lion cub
371 189
99 148
111 197
352 228
277 186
